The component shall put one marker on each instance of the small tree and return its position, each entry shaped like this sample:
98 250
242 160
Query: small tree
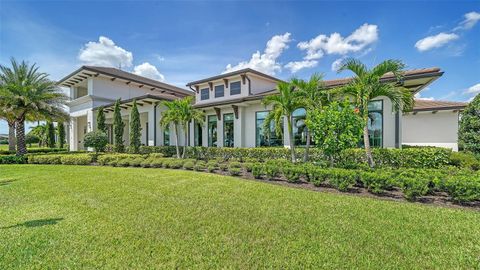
96 139
135 129
335 128
50 135
61 134
101 120
30 138
118 127
469 131
172 116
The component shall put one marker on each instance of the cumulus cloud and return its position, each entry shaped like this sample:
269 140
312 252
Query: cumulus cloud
475 89
298 65
419 96
470 20
334 43
148 70
105 53
435 41
267 61
337 63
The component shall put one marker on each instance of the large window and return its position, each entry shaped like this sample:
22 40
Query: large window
212 130
219 91
166 136
228 137
235 88
263 138
375 123
204 93
299 127
198 134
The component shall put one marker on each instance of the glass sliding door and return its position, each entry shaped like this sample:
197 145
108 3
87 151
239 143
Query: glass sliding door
212 130
375 123
198 134
263 137
228 135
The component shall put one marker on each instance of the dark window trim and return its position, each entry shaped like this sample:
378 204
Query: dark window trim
201 94
214 116
240 90
383 118
215 91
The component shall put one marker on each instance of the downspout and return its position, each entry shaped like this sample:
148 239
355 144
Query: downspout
155 124
249 84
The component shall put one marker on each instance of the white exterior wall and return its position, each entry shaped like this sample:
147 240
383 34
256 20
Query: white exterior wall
431 129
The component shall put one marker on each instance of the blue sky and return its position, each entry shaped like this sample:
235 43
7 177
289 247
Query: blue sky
184 41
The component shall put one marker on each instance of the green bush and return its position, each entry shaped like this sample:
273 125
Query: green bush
248 166
271 171
234 171
96 139
124 162
257 171
173 163
188 165
342 179
376 181
77 159
293 173
200 165
464 188
157 162
464 160
414 183
223 166
146 163
136 162
45 159
13 159
211 168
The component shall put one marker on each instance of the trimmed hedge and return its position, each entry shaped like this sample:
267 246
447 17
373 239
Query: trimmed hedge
12 159
36 151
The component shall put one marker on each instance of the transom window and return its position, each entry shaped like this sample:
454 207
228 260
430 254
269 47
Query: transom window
235 88
219 91
204 94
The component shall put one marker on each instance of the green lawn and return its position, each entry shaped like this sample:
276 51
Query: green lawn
102 217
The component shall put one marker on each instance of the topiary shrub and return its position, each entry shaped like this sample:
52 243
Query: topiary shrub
96 139
234 171
271 171
414 183
13 159
464 188
76 159
200 165
188 165
248 166
465 160
341 179
292 173
376 181
257 171
223 166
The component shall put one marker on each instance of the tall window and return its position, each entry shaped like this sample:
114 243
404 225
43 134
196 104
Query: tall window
166 136
299 127
198 134
235 88
212 130
228 137
375 123
219 91
263 139
204 93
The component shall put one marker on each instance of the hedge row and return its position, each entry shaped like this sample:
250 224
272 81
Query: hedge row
35 151
66 159
12 159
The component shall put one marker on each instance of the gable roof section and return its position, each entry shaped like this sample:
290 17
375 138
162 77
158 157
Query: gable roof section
437 105
85 72
234 73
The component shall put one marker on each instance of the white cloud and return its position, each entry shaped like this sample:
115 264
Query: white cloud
105 53
298 65
148 70
471 19
475 89
419 96
435 41
267 61
336 64
336 44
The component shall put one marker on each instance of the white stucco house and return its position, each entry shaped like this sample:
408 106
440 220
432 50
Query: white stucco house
235 115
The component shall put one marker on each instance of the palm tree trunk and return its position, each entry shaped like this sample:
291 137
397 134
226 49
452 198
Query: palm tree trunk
176 140
11 135
20 129
307 145
185 128
368 150
290 136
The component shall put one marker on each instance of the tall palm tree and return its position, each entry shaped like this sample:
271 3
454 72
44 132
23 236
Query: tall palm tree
172 116
283 105
9 117
187 115
28 92
367 85
314 96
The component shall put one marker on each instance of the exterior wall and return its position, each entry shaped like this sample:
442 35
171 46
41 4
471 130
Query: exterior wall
431 129
388 123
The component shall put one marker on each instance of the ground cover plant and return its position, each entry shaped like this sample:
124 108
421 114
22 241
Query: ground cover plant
59 216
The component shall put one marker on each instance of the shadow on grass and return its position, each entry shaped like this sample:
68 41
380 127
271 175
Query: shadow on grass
35 223
7 182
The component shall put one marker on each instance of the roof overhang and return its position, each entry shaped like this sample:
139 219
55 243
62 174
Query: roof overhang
141 101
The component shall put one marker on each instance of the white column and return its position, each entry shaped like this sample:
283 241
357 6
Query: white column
220 131
238 128
151 126
91 123
73 140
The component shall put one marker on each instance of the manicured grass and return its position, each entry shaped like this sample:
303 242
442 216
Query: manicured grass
102 217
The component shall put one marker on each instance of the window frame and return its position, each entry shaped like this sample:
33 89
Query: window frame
239 89
215 90
209 139
223 127
202 91
383 123
256 130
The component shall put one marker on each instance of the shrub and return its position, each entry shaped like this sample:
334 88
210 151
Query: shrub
271 171
146 163
136 162
188 165
464 160
13 159
341 179
257 171
293 173
157 162
248 166
200 165
96 139
414 183
464 188
376 181
234 171
45 159
211 168
77 159
124 162
173 163
469 127
223 166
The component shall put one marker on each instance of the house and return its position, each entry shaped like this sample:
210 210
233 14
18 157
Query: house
233 109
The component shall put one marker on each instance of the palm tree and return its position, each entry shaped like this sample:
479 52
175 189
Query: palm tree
172 116
40 131
26 92
314 96
283 105
187 115
10 119
366 85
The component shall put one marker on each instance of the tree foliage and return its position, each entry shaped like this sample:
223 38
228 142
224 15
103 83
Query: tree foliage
61 134
135 128
335 127
96 139
50 134
101 120
118 126
469 131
